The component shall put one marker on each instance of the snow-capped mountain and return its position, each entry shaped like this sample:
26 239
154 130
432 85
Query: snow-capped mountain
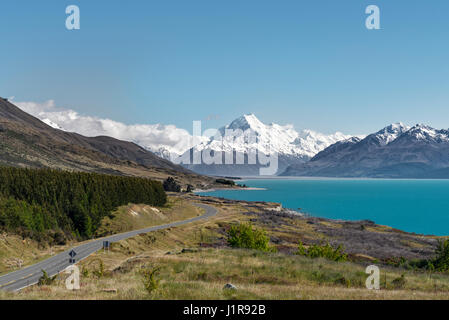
251 134
273 137
310 142
397 151
421 132
390 133
171 142
163 152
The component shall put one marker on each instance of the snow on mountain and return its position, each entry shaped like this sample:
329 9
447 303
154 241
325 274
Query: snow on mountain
163 152
390 133
51 124
283 139
423 132
310 142
158 138
396 151
245 122
170 142
248 135
174 150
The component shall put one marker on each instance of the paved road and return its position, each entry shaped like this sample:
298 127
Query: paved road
28 276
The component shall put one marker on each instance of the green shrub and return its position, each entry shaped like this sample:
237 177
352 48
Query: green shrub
322 251
45 280
149 279
441 261
85 272
225 181
343 281
399 283
100 271
243 235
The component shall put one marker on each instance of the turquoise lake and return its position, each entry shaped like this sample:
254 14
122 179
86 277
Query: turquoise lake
420 206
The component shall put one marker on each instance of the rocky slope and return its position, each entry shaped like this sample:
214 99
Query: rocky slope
25 141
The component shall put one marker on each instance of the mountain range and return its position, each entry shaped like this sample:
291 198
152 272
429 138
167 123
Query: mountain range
396 151
291 146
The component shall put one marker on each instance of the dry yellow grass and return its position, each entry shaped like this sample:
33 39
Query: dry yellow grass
16 252
134 217
203 273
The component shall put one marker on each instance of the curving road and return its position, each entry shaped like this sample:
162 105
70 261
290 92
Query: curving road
28 276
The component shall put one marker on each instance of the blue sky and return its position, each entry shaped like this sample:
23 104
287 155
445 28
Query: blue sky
309 63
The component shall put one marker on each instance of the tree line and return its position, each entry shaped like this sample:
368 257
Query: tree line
43 203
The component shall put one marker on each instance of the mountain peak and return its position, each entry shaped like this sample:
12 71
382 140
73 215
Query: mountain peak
250 116
396 127
391 132
245 122
283 139
426 133
422 129
422 126
396 151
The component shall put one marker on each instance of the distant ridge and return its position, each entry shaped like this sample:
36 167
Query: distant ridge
396 151
25 141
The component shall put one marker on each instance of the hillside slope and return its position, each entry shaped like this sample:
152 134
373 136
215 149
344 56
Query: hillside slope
25 141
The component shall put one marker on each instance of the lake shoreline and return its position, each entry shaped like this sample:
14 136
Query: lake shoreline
223 189
410 205
246 178
363 239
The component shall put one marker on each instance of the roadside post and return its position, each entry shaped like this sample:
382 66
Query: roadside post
72 255
106 245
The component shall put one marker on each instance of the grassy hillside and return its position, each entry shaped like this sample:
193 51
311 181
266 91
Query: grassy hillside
139 216
16 252
257 275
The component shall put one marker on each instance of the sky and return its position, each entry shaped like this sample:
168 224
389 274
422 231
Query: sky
312 64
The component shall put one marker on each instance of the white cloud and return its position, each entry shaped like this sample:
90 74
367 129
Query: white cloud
154 137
